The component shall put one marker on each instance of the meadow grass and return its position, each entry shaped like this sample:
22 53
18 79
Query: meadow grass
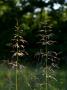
30 78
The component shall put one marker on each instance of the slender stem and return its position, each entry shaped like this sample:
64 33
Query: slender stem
16 76
17 59
46 49
46 64
9 76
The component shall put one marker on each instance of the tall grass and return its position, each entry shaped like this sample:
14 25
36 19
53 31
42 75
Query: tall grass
31 79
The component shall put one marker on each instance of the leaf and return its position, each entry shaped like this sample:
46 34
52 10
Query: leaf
26 53
16 45
52 77
18 54
50 42
41 31
23 41
22 46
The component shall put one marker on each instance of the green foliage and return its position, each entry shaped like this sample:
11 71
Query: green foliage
31 78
